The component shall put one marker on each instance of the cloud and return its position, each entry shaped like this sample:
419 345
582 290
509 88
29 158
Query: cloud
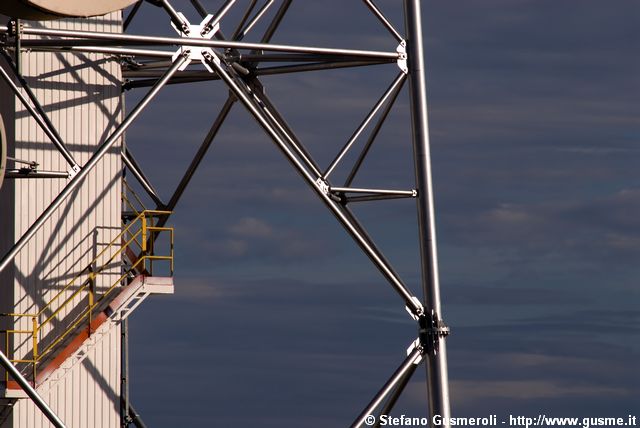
227 247
251 227
534 118
463 392
600 229
252 238
199 289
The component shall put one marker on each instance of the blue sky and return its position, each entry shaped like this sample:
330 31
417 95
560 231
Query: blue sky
279 321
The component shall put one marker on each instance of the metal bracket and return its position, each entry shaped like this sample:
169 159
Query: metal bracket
129 62
432 328
323 186
402 57
206 27
73 171
196 53
416 344
15 27
209 56
413 315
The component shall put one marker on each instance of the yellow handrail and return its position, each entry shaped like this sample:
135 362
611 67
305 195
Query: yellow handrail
110 245
128 202
146 231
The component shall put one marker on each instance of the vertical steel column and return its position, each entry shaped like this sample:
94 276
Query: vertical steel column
436 358
124 374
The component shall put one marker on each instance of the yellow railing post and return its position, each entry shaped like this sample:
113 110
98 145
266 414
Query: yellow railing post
92 287
66 296
34 336
171 253
143 219
6 344
152 236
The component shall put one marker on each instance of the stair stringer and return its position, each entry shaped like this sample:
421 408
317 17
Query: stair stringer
120 308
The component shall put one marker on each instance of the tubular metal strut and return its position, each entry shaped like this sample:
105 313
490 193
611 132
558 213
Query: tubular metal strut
238 65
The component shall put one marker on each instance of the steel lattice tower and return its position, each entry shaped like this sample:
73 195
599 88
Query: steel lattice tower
202 52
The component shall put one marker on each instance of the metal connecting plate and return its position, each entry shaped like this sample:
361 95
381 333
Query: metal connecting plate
239 65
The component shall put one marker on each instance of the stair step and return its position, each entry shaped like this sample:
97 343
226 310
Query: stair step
11 390
120 306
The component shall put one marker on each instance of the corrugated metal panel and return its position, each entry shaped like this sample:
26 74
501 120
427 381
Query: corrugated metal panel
88 396
81 95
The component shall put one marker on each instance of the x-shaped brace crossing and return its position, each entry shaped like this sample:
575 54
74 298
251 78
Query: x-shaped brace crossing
226 60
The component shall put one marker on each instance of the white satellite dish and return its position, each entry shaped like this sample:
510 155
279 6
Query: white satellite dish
55 9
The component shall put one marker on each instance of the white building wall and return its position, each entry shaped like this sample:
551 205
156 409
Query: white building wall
88 395
81 94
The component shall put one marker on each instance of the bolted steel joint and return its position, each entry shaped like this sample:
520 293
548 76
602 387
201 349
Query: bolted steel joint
339 197
208 55
431 330
15 27
402 57
417 345
206 30
323 186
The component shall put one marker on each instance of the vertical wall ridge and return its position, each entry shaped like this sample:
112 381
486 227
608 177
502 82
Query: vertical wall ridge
79 95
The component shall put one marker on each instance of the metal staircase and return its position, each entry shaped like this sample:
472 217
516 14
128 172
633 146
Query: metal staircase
91 311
